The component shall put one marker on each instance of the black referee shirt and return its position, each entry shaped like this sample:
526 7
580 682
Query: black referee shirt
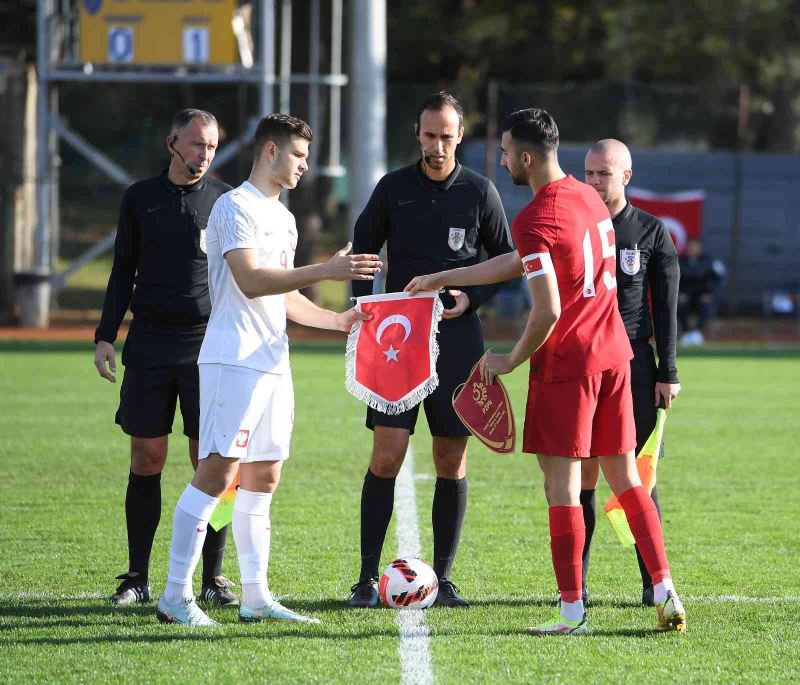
648 273
431 226
160 271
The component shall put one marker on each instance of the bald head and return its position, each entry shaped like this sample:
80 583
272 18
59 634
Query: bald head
608 168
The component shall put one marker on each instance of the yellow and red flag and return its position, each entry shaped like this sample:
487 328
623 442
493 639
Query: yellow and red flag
223 514
646 464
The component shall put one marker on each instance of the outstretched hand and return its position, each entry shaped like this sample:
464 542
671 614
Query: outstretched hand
345 320
420 284
355 267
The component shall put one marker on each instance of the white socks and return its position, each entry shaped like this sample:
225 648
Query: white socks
660 590
251 531
189 524
572 611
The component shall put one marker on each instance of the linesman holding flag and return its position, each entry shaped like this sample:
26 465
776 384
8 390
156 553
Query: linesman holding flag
432 215
647 293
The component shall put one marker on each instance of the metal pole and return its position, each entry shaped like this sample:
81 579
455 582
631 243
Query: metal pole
267 50
33 292
367 148
286 56
313 66
334 160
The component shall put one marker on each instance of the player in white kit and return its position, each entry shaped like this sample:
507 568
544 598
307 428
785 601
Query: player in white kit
246 397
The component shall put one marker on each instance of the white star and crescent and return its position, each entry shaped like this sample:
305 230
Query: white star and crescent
391 353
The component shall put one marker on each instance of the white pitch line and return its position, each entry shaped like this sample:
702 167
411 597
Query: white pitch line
415 654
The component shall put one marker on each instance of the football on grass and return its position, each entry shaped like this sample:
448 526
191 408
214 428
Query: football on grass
408 583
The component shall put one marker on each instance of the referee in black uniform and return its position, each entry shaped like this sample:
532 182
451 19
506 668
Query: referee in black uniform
647 293
160 272
432 215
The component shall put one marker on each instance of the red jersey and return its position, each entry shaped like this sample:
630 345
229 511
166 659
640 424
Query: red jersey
567 229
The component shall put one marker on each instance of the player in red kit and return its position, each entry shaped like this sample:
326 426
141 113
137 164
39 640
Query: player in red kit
579 397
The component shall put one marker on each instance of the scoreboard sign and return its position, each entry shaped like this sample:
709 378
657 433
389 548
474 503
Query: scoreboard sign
157 32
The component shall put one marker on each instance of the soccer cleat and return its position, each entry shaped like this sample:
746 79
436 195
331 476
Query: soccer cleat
448 595
218 592
364 594
647 597
186 613
133 588
671 614
274 611
561 626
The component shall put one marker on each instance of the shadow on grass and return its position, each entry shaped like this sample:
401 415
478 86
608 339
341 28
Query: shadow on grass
224 632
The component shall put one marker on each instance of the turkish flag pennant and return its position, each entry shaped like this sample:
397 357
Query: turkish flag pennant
681 213
391 359
486 411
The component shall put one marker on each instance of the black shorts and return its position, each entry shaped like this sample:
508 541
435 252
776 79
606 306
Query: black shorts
643 389
148 397
460 347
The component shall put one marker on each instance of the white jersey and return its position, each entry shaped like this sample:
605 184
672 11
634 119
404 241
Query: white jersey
241 331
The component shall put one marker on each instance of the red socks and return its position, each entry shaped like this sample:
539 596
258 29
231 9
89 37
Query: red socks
567 537
646 528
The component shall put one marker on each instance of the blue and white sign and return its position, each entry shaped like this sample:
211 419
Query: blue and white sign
195 45
120 44
92 6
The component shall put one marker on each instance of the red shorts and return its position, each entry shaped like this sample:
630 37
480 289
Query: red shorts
585 417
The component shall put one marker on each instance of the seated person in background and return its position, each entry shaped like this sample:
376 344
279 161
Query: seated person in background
700 278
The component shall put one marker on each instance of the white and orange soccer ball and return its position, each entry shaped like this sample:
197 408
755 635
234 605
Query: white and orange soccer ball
408 583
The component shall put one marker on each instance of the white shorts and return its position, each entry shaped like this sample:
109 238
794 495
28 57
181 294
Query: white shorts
245 414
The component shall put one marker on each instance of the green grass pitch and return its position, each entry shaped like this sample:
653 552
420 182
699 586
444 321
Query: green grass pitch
729 487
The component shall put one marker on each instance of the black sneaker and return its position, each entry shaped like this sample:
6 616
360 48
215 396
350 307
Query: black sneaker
218 592
448 595
585 596
133 588
647 597
364 594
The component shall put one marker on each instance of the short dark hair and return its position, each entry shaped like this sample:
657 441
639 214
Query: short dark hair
535 128
279 128
184 117
437 102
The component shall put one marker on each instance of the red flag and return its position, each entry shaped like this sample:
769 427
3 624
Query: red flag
391 359
486 411
682 213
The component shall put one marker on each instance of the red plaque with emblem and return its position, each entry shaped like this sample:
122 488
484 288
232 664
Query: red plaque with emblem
486 411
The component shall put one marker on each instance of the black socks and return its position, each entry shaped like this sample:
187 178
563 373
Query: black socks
142 514
377 502
589 518
213 551
447 516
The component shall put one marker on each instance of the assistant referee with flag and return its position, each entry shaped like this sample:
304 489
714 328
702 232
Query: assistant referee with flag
433 215
160 271
647 294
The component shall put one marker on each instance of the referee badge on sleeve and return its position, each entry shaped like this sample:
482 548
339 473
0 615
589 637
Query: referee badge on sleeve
456 238
629 261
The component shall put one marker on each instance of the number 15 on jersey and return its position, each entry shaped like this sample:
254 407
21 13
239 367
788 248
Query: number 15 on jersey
609 251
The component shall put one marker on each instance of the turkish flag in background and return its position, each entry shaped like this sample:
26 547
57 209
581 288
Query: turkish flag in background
391 359
681 213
